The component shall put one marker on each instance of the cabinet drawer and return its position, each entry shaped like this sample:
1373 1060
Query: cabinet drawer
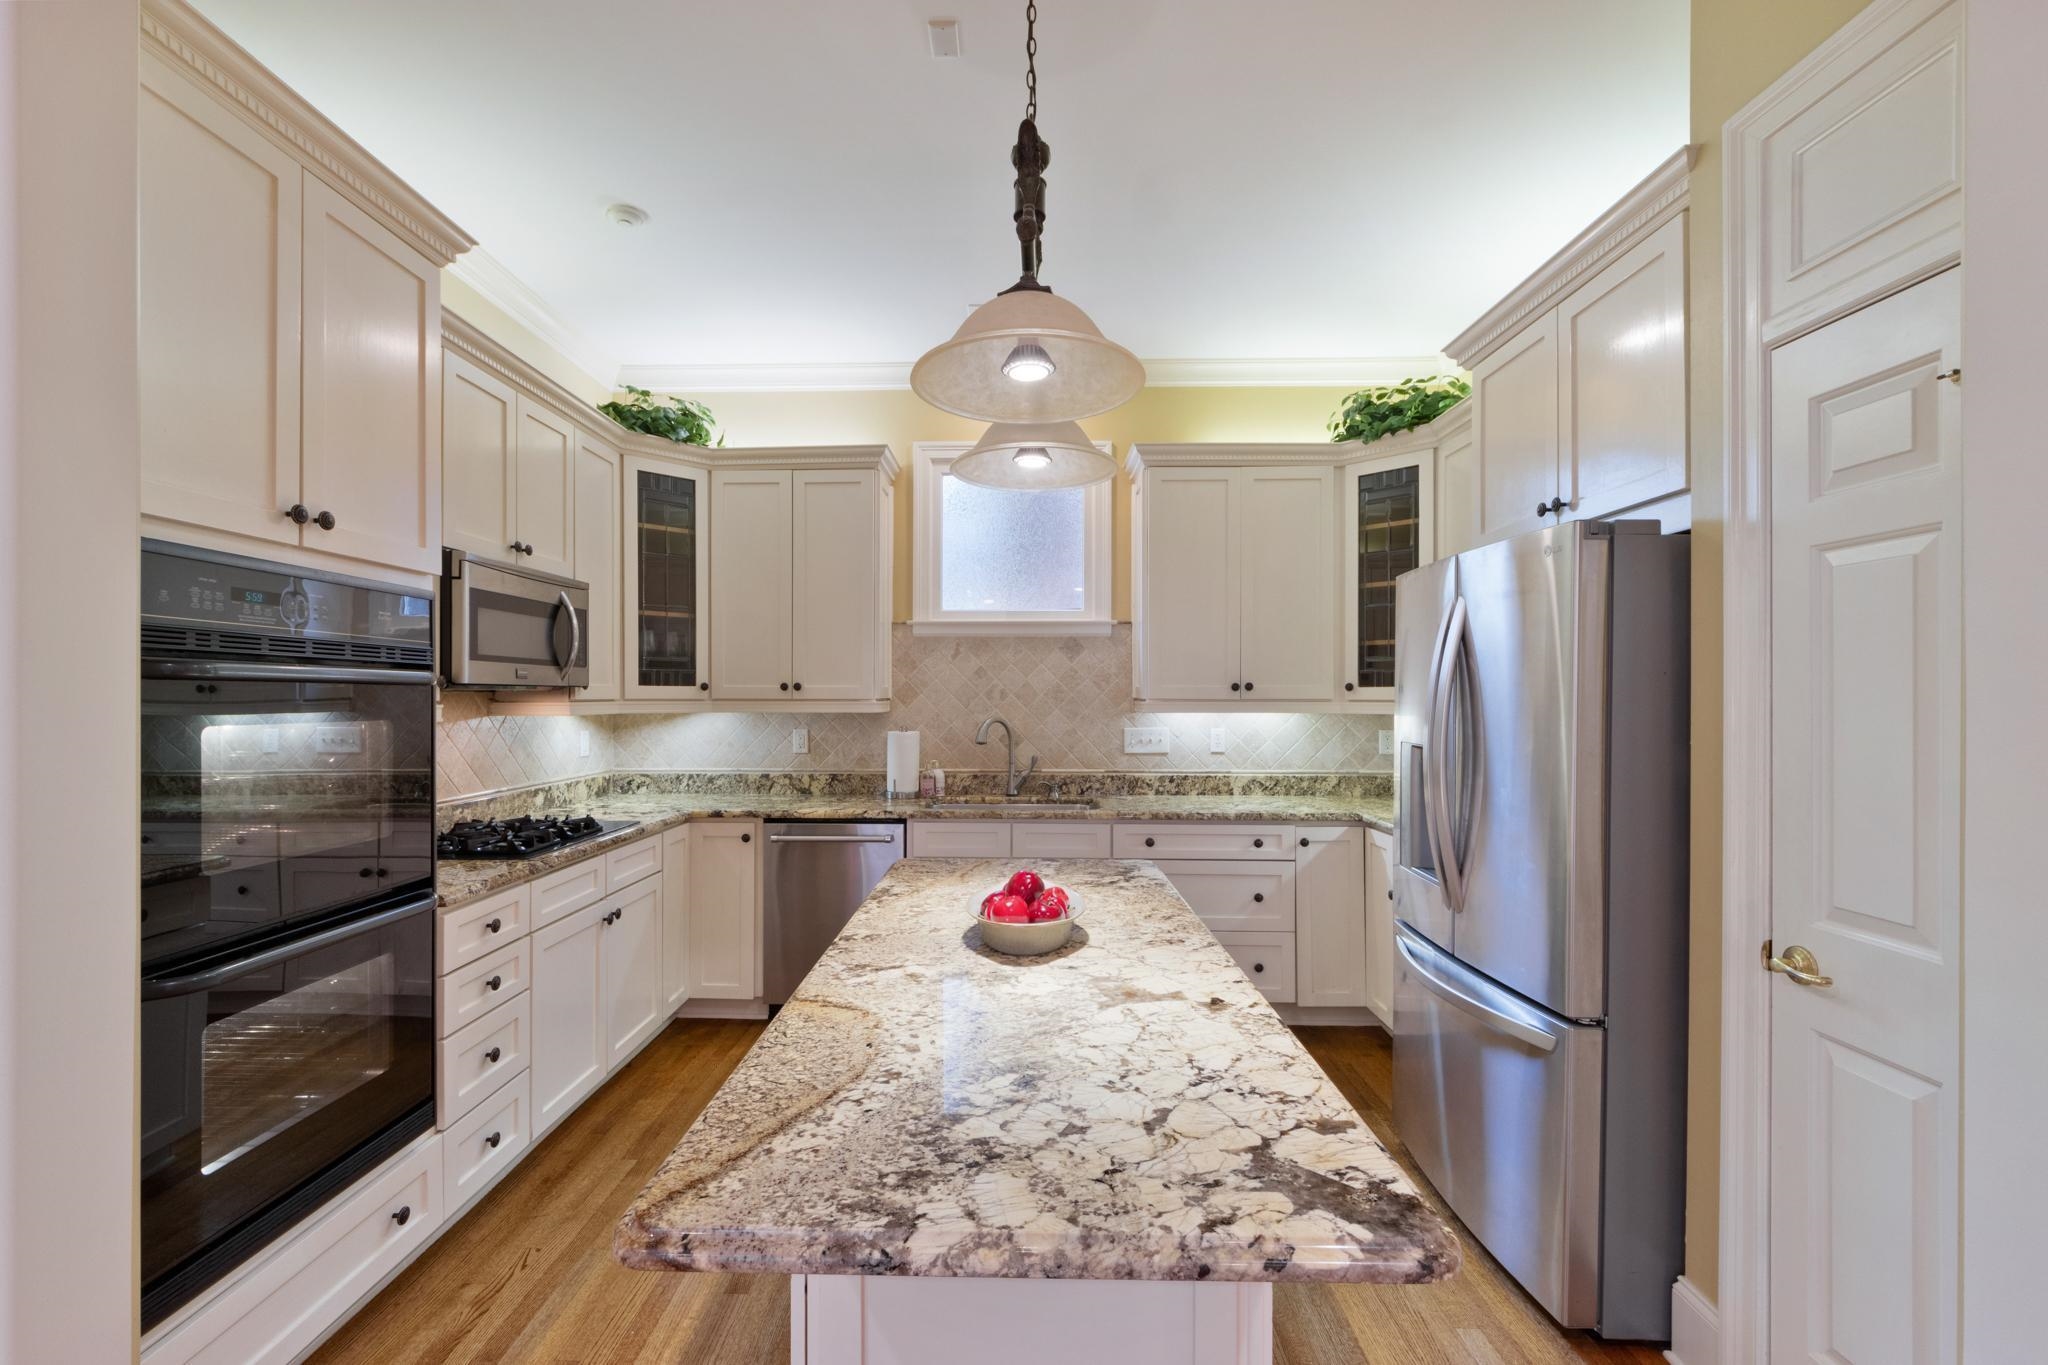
624 866
276 1306
475 929
478 1058
1254 897
1267 960
1061 839
488 1139
474 991
566 892
959 838
1260 842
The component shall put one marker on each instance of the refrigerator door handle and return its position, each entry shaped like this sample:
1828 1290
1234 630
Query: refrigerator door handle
1453 644
1472 728
1478 1009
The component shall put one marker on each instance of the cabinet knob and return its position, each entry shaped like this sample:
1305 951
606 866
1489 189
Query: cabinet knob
325 521
703 687
1554 505
494 1139
493 1055
796 687
1258 966
241 891
366 872
1258 898
495 982
1304 841
1236 687
1390 893
403 1216
1247 687
298 513
1148 843
748 839
1258 843
494 925
785 687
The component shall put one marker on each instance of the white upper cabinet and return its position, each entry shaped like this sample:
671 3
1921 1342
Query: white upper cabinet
289 317
479 425
833 584
750 585
1579 382
545 489
218 314
1235 589
1387 531
597 496
663 572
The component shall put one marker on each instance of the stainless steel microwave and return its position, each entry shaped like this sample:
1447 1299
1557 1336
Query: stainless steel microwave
506 626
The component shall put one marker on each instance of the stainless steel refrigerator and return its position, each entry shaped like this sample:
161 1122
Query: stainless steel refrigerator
1540 901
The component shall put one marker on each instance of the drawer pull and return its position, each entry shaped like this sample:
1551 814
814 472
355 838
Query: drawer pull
494 1139
403 1216
746 838
494 925
495 982
1258 898
1258 966
493 1055
1148 843
1258 843
1304 842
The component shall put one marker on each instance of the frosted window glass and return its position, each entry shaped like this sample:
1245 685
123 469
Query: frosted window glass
1004 549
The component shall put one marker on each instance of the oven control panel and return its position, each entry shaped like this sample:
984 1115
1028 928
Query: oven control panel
223 592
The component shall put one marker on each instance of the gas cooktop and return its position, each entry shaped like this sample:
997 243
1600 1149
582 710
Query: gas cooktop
526 837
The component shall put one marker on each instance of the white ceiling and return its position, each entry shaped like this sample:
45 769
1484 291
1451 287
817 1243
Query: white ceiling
1295 179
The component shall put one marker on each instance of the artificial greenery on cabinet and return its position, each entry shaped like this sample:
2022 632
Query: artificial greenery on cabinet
1387 408
673 419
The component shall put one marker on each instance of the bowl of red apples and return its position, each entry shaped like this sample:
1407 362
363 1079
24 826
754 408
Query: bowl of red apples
1024 917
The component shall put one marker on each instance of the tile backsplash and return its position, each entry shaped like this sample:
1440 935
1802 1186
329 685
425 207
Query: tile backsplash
1068 699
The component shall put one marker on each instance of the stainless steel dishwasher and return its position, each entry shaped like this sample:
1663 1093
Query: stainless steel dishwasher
817 875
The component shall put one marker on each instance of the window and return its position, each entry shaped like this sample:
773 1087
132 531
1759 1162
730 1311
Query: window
998 561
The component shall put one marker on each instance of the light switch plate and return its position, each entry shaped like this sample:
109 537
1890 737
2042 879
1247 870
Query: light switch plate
270 739
800 740
583 744
1386 741
1219 740
1146 739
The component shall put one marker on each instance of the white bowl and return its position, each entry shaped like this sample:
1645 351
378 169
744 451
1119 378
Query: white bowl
1029 940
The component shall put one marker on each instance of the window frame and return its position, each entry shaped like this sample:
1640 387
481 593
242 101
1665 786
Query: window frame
932 460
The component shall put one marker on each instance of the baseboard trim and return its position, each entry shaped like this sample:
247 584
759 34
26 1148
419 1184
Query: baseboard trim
1695 1326
722 1009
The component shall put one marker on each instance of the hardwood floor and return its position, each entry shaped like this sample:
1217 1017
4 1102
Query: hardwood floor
528 1275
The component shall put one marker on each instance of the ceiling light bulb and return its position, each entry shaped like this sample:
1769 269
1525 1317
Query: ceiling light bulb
1032 457
1028 363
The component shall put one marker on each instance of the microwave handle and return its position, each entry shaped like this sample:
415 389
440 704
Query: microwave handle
191 983
575 632
297 673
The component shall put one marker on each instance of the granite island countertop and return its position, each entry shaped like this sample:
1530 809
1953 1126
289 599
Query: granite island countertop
653 812
1127 1108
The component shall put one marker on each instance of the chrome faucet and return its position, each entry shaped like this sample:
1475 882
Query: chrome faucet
1016 783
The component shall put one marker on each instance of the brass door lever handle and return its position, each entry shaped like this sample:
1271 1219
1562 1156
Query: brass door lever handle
1797 963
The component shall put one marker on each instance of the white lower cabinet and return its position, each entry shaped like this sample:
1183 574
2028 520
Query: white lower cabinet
489 1139
959 839
1060 839
296 1290
569 1051
1229 896
1266 959
1330 917
481 1056
629 970
675 918
1379 925
725 910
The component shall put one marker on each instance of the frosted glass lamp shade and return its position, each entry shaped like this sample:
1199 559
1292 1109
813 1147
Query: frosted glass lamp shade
1069 460
966 375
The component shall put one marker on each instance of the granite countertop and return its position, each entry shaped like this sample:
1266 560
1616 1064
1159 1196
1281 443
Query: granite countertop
1128 1108
461 882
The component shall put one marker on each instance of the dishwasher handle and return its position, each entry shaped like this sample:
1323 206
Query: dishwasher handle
833 838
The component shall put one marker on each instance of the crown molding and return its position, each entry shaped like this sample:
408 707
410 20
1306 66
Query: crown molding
1660 197
181 37
1145 455
487 275
859 377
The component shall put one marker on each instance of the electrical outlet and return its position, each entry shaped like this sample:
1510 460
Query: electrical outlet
1146 739
800 740
583 744
338 739
270 739
1219 740
1386 742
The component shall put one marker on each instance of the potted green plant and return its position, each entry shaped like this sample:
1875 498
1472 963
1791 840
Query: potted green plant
1387 408
673 419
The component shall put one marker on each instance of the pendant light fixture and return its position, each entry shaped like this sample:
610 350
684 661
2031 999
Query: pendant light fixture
1033 455
1027 355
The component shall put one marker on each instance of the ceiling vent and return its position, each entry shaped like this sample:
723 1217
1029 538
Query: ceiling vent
626 215
944 36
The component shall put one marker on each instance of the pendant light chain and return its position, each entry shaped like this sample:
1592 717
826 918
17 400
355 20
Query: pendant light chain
1031 60
1030 157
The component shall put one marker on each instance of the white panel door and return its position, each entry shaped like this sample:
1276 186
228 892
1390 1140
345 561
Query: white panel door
835 533
1622 379
1287 619
675 918
479 424
1330 917
1191 585
597 560
725 910
750 585
1514 431
545 472
1457 495
1866 609
569 1056
371 454
218 313
1379 925
630 969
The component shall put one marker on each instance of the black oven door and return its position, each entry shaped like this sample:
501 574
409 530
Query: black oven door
278 794
271 1079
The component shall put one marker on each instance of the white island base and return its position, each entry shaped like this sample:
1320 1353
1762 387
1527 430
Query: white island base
940 1320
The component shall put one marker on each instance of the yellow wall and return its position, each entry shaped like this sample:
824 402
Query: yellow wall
1738 48
496 323
899 419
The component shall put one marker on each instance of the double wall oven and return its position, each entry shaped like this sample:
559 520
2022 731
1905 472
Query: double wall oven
287 907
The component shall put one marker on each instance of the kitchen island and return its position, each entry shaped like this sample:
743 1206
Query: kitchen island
1107 1153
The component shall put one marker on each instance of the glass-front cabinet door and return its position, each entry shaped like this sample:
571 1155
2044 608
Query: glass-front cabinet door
1389 508
664 580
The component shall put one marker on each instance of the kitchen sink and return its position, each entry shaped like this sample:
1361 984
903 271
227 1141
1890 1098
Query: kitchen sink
1002 805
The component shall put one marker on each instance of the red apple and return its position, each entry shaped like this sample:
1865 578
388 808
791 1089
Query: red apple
1026 884
988 903
1010 909
1051 903
1042 912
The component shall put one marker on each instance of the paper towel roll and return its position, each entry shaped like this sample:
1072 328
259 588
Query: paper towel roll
903 762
